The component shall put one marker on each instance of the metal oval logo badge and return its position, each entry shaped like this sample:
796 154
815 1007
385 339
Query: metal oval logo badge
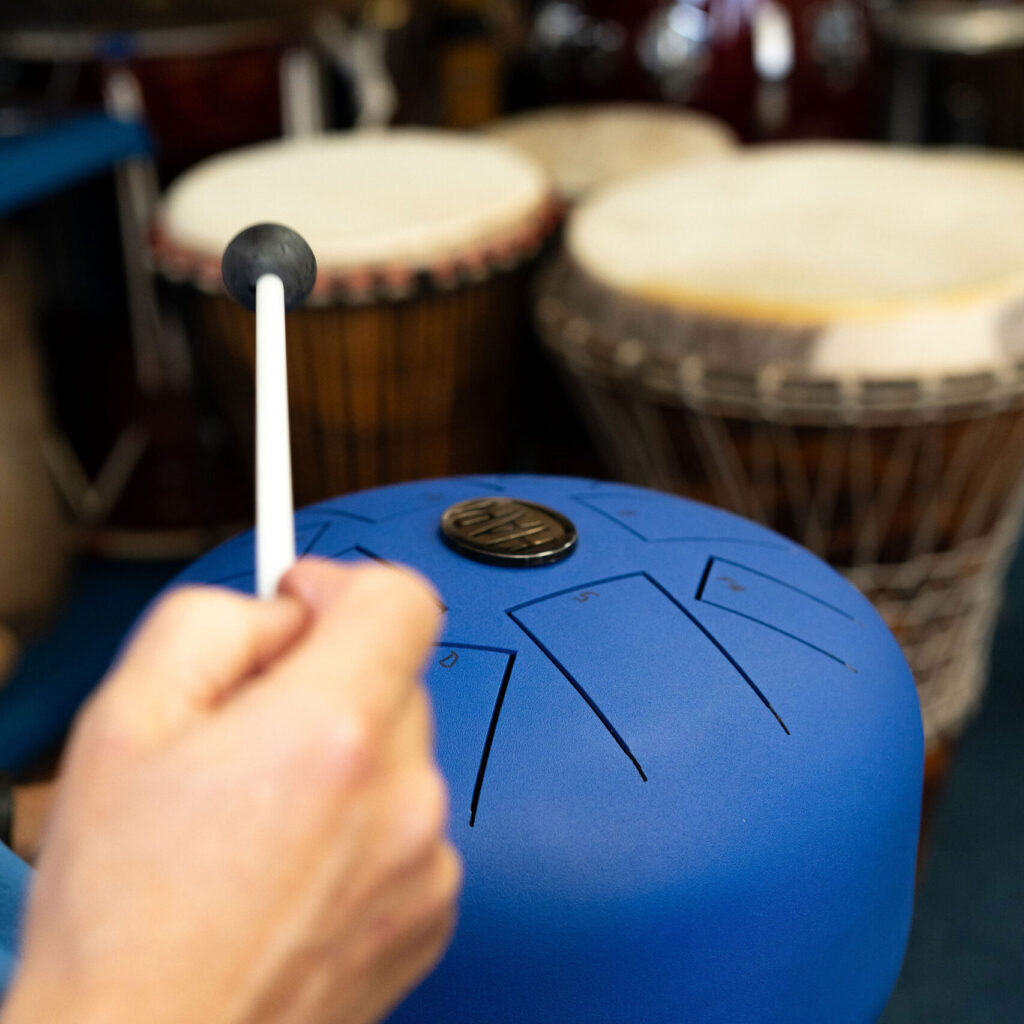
508 532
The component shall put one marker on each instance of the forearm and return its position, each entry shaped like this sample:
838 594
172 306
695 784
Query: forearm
28 1003
50 1001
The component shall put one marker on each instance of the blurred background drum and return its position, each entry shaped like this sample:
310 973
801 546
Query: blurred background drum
954 71
829 340
113 16
407 365
174 70
143 469
771 69
585 147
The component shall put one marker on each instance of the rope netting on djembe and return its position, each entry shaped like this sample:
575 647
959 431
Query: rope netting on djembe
912 488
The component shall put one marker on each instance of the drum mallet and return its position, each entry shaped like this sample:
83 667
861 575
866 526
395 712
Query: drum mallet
270 269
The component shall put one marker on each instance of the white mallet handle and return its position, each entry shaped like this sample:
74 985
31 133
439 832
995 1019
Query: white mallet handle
275 522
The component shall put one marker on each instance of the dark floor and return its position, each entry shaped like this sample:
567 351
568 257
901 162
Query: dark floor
965 964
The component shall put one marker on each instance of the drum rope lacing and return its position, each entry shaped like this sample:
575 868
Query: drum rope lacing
946 493
775 391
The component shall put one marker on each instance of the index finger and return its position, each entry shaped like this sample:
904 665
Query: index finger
195 649
368 635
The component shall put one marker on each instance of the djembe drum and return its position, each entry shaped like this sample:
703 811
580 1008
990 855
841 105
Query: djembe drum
406 363
828 339
591 145
583 148
684 755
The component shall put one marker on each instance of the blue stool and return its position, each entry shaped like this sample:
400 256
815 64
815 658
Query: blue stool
39 163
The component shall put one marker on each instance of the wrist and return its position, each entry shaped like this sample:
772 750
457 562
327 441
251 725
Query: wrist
26 1002
32 999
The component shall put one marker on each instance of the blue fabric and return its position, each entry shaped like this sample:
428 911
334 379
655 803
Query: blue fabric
34 165
56 675
14 877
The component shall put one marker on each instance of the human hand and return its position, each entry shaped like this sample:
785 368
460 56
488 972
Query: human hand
250 823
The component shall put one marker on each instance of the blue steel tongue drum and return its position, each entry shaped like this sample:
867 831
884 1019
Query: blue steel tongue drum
684 755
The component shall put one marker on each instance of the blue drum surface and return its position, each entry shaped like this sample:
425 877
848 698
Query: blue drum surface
685 760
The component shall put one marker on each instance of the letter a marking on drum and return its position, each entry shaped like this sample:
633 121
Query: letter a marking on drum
591 587
592 502
781 583
738 588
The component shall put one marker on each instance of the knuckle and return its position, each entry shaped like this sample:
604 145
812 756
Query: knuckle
422 711
182 604
419 592
438 787
104 731
372 579
450 875
189 607
457 869
425 812
404 591
343 750
439 896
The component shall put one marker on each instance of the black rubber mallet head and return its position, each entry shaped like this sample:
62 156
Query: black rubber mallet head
268 249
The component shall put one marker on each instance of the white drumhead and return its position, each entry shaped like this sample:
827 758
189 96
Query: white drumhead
408 196
907 261
588 146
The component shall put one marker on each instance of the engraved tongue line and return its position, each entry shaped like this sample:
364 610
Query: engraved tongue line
689 615
576 685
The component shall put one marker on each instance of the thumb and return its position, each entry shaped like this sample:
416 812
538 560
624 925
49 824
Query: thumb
197 647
